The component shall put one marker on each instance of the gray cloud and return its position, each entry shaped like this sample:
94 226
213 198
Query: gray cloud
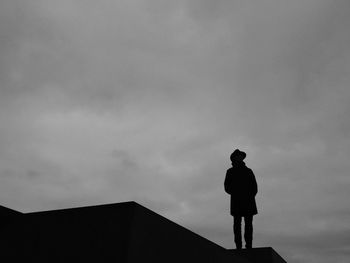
145 100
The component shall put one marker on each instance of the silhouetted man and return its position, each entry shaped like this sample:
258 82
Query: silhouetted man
241 184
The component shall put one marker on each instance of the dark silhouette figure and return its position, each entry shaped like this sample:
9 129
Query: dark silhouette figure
241 184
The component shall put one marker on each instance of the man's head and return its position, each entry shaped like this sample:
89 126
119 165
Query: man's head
237 155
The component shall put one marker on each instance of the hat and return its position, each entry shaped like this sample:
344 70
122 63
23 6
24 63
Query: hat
237 155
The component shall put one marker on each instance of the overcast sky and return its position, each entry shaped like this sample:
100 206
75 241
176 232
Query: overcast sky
116 100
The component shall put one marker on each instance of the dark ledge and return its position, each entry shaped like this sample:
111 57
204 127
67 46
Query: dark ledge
122 232
260 254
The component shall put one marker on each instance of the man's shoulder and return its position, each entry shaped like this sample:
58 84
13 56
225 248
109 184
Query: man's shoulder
242 169
250 171
231 169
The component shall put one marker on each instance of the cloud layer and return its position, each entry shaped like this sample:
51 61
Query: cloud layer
111 101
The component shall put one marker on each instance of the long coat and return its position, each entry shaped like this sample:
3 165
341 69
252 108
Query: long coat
241 184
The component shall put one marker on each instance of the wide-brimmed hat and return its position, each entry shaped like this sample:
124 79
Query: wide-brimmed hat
237 155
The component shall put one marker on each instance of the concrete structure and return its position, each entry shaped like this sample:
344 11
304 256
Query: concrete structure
122 232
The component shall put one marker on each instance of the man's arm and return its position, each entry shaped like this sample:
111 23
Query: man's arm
254 185
227 183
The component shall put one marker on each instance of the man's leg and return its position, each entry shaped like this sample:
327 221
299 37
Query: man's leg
248 231
237 220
